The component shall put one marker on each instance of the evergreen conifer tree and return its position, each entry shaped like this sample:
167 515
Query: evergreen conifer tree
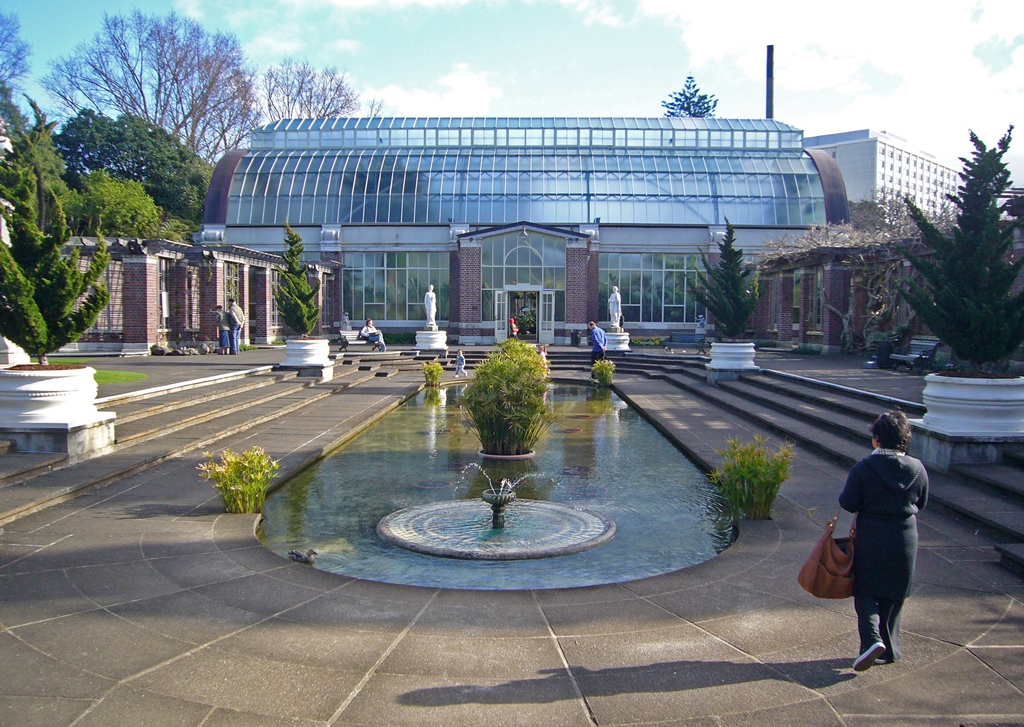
47 299
690 102
728 290
296 298
966 296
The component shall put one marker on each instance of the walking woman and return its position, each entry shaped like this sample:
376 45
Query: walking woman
886 490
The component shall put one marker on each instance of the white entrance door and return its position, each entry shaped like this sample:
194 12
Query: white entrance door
546 318
500 316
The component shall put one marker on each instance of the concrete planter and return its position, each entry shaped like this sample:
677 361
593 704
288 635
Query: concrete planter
307 352
54 411
971 406
732 356
45 396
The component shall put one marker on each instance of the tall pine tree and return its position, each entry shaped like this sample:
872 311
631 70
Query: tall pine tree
728 290
47 300
296 298
966 296
690 102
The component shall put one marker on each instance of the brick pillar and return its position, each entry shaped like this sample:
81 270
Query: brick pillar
454 290
837 293
259 305
578 286
140 302
469 297
786 307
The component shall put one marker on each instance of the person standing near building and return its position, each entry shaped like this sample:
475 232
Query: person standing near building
599 343
460 364
237 321
886 489
223 330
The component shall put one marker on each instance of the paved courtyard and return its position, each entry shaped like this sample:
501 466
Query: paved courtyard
142 603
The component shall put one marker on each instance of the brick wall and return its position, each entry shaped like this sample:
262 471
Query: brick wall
469 297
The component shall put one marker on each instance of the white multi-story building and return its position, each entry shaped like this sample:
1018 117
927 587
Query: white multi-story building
877 162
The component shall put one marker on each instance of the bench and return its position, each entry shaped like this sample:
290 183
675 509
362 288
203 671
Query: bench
689 338
915 356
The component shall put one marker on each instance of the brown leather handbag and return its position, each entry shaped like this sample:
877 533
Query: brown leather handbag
828 572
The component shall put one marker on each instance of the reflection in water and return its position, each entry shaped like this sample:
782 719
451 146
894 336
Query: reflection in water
610 461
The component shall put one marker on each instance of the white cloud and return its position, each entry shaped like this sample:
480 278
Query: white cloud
597 12
463 92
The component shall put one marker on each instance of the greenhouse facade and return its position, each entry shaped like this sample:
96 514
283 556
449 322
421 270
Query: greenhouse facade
534 218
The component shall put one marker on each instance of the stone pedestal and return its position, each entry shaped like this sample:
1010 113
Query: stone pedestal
432 339
310 357
11 354
618 339
968 420
54 411
729 361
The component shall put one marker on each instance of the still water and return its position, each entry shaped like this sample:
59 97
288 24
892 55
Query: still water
598 454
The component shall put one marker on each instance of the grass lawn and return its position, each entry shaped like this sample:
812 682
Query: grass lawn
105 376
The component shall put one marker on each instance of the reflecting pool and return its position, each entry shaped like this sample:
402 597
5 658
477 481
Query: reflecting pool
599 454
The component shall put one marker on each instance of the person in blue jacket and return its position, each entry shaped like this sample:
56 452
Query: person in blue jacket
599 341
886 489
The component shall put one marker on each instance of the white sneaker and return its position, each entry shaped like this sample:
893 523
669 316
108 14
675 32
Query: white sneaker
867 660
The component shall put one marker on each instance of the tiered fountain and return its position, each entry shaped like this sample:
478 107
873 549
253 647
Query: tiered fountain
535 529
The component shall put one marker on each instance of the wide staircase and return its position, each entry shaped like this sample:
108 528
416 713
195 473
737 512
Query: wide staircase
827 423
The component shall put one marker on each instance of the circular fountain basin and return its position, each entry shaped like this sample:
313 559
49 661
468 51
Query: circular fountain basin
461 529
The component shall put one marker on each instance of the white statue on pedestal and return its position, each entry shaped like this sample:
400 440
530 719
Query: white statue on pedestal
614 307
430 303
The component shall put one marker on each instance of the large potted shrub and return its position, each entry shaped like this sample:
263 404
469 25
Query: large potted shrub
965 296
47 300
504 404
729 290
297 305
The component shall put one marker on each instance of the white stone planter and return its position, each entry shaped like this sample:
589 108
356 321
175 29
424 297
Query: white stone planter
968 406
307 352
47 396
732 356
54 411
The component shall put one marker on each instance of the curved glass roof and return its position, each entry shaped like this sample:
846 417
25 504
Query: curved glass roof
546 170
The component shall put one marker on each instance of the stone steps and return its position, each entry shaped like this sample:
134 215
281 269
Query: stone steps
42 486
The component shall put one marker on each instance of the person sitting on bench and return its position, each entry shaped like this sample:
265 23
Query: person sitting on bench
371 334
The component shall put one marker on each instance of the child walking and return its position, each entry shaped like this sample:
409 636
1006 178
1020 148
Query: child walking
460 364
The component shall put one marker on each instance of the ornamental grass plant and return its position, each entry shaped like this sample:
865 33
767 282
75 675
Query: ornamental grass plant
432 372
602 372
750 476
504 404
241 480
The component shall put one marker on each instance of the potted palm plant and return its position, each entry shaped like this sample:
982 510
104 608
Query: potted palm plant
297 304
730 292
504 403
47 300
965 295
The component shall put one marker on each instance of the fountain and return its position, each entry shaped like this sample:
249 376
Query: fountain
457 530
607 479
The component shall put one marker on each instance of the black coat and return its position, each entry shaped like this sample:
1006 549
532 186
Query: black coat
886 492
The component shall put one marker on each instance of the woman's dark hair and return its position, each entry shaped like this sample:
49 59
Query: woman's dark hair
892 430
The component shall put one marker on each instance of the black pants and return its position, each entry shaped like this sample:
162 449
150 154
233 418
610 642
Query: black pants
878 619
596 356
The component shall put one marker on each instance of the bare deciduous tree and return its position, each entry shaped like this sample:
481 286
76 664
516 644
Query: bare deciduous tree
167 70
295 89
14 52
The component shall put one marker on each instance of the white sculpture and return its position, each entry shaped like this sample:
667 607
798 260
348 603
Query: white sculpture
430 303
614 307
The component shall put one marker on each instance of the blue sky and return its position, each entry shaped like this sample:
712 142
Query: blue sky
926 72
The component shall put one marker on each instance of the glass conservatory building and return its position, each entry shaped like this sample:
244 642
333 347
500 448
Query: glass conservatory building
531 217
